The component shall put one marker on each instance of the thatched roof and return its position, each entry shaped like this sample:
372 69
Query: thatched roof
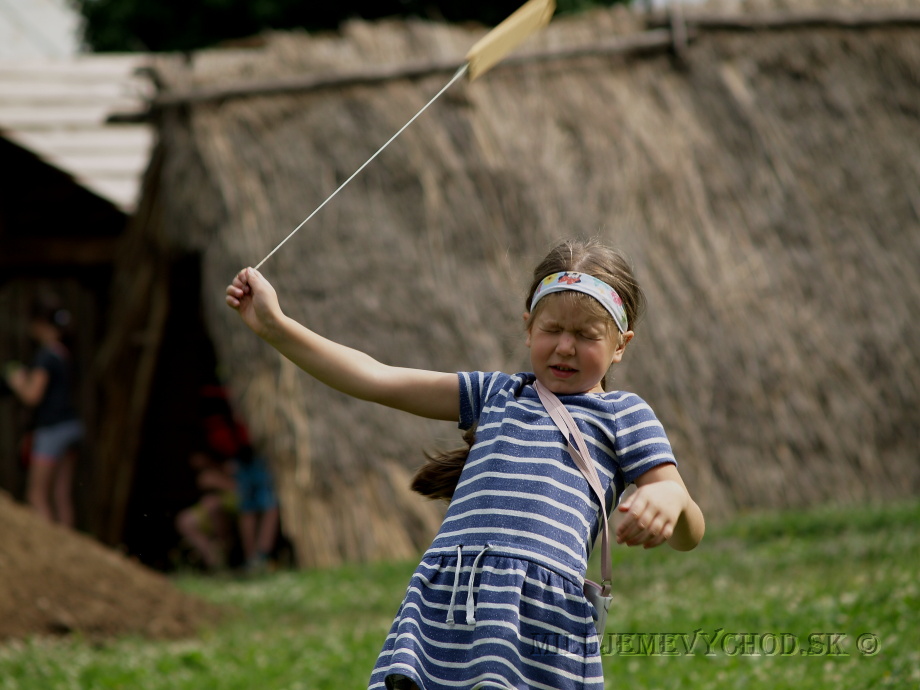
765 188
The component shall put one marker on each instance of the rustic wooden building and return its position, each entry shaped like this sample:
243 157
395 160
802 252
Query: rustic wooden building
760 169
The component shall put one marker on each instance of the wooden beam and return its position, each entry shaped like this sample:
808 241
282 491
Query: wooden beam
17 253
619 45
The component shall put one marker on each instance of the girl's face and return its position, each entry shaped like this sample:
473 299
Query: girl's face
571 349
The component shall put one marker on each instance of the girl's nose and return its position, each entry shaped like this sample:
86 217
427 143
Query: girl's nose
566 344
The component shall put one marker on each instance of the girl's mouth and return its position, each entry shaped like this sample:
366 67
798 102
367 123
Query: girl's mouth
563 372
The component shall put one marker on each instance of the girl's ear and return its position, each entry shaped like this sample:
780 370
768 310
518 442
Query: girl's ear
623 341
526 319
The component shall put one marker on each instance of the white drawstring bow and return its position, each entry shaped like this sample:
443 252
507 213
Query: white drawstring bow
470 601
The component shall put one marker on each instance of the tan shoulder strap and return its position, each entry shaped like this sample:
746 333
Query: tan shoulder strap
582 458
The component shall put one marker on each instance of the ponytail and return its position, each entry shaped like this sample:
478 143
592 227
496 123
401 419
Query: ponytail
438 477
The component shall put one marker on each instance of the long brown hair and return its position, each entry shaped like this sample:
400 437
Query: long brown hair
438 477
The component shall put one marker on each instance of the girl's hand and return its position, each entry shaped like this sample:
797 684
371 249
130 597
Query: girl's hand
661 510
256 301
652 514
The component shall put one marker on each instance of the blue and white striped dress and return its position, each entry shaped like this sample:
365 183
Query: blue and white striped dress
497 600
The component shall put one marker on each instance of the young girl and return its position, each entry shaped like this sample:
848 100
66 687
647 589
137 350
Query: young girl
504 574
47 387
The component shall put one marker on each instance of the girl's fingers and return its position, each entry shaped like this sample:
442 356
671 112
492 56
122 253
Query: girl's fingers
651 544
241 284
629 530
633 522
643 526
234 295
251 275
238 289
243 278
656 534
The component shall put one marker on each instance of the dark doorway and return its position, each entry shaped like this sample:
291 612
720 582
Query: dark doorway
164 482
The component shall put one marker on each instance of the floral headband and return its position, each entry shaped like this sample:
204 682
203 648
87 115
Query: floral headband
582 282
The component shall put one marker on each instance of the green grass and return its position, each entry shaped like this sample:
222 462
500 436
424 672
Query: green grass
834 574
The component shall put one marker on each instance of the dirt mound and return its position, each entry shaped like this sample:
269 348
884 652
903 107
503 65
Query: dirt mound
55 581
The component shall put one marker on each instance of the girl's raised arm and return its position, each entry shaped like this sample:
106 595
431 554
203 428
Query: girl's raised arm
425 393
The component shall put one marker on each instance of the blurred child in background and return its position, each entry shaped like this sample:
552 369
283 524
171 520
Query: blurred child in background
238 491
47 386
208 524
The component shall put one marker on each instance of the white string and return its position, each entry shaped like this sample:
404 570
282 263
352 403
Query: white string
460 73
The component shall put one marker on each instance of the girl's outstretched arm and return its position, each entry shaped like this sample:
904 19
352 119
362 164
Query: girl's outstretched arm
661 510
425 393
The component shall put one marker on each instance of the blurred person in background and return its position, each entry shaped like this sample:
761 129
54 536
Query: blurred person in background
207 525
258 509
238 497
257 504
47 386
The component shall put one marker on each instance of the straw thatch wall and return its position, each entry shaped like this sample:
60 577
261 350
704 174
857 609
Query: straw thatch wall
765 188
